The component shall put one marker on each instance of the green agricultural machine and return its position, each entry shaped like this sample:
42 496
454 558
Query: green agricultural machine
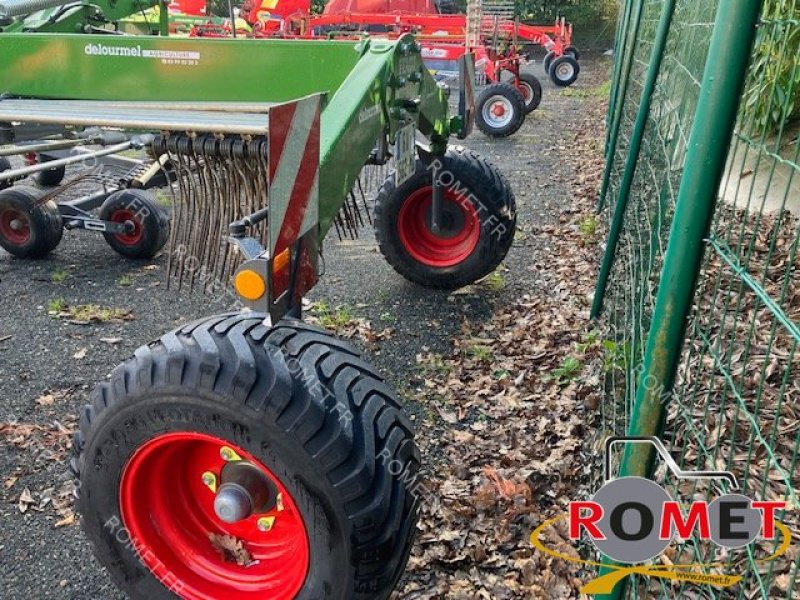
249 455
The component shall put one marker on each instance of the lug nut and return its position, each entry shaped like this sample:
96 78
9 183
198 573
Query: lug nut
210 480
227 454
266 523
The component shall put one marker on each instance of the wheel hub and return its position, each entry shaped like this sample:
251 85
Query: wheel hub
564 71
245 490
15 226
497 111
181 491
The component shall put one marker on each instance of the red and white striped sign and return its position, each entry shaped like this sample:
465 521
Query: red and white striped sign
294 138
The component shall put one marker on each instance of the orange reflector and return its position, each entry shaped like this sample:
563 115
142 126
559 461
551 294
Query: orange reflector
281 261
250 285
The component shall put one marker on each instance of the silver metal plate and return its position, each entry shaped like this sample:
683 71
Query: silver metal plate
405 153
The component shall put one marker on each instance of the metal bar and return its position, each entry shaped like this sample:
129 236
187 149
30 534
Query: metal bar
44 147
621 94
132 117
219 107
709 141
50 164
653 71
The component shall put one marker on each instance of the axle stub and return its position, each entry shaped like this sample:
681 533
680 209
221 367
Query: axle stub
245 490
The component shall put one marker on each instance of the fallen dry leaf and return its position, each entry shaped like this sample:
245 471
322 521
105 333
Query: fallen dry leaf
230 549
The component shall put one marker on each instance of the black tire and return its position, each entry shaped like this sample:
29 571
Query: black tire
279 395
547 61
564 71
149 217
500 97
473 185
28 229
51 177
532 95
5 165
573 52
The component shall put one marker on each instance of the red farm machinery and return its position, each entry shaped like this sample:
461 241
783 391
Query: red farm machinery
489 30
250 426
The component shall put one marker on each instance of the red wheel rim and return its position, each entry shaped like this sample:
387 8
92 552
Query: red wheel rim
526 91
460 232
121 216
168 511
15 226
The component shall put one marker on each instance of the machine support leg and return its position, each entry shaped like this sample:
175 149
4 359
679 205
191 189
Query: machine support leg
437 202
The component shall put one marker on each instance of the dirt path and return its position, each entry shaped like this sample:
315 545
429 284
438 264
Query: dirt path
48 365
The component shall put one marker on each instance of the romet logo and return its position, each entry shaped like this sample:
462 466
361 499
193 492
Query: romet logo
633 520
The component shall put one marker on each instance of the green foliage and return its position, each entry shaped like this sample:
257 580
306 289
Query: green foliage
56 305
569 370
592 20
59 275
219 8
772 96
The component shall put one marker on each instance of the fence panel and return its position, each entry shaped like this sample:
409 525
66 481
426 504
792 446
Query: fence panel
734 388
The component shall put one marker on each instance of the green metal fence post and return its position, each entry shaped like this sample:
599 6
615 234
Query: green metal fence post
723 77
619 46
620 94
653 69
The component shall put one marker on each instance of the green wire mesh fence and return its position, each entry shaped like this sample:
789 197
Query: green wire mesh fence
731 395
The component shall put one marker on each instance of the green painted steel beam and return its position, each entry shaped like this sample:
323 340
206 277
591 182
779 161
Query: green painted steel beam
709 141
73 66
620 93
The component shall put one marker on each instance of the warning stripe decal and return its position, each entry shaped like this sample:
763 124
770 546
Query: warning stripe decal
294 171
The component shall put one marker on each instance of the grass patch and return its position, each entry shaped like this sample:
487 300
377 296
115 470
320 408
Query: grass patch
332 318
479 352
125 281
495 281
59 275
432 364
588 227
84 314
56 305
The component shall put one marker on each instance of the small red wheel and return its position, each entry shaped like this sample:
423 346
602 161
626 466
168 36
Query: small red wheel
500 110
459 234
168 508
148 220
29 228
531 90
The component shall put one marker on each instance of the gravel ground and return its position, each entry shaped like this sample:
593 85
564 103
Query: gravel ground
57 363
